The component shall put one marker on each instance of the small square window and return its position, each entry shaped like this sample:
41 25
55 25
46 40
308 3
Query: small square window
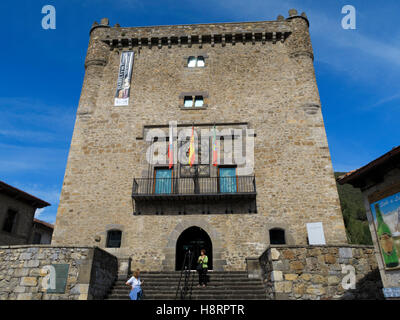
191 100
196 62
114 239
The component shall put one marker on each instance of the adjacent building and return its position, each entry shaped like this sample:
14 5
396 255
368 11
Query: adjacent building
42 232
17 211
379 182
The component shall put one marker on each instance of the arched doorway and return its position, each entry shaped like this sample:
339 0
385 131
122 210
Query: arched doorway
194 239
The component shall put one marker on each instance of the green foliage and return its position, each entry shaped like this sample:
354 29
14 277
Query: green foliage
354 216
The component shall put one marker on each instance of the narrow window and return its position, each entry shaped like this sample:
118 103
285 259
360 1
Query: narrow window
10 221
188 101
114 239
277 236
200 61
37 237
198 101
192 62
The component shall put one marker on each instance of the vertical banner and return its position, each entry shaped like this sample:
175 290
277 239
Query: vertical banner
386 214
124 79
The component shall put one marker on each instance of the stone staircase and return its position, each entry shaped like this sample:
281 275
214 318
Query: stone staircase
228 285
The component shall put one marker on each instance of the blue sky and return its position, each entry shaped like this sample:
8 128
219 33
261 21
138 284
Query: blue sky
42 73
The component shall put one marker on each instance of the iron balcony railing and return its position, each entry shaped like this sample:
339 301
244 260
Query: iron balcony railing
193 186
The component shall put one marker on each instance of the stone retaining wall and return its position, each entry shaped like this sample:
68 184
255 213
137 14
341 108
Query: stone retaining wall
103 274
91 272
305 272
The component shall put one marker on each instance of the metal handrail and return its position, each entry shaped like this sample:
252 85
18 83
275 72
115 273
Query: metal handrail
185 271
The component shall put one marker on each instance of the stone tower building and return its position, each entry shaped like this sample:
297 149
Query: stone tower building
222 77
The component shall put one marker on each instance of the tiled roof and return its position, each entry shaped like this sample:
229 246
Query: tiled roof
46 224
22 196
358 173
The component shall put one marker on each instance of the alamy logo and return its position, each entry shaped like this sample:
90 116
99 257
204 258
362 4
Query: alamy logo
349 280
49 20
349 20
49 280
190 146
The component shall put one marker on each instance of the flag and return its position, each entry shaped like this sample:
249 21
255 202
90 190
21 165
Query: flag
191 149
171 148
214 149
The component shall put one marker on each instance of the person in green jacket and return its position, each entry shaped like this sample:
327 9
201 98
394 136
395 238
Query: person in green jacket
202 268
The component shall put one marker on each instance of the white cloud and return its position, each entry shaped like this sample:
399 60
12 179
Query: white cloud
28 134
50 194
39 212
383 101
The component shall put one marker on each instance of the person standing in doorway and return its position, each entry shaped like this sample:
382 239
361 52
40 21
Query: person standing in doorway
202 267
136 284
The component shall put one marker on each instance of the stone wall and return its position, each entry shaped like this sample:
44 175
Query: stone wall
103 275
315 273
90 274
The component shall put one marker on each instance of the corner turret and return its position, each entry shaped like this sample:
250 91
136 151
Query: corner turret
96 58
299 42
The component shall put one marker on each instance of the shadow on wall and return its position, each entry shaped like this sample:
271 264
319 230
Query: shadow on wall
367 288
231 206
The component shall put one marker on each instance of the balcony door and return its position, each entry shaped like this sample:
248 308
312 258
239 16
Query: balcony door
227 180
163 183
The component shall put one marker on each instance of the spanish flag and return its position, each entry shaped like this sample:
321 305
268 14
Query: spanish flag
191 149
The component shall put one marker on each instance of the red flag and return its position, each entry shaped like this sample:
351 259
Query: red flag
191 149
170 149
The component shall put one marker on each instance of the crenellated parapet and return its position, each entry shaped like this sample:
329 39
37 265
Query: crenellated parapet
196 35
96 59
293 31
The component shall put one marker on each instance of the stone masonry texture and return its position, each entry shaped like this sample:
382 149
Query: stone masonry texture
265 79
91 272
315 273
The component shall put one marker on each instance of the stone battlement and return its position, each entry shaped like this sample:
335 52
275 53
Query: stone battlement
190 34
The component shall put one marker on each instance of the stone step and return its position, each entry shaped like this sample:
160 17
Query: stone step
194 271
210 286
178 273
214 277
193 276
194 297
221 286
194 290
213 284
196 278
